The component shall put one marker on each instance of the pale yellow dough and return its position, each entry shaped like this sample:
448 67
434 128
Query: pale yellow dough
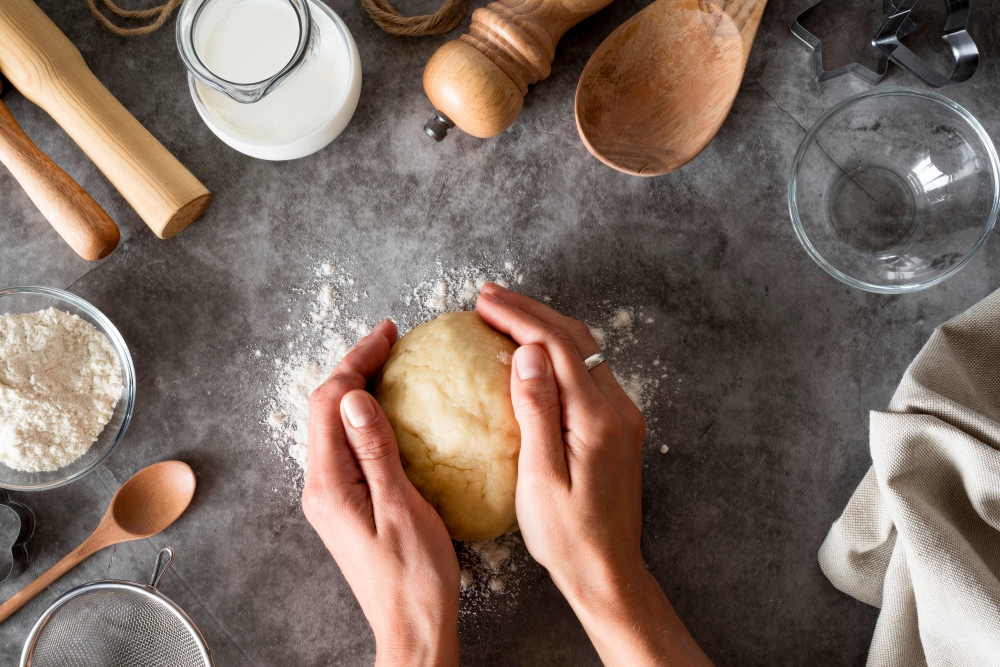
446 390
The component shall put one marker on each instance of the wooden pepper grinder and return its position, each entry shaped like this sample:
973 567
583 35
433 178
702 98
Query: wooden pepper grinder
478 82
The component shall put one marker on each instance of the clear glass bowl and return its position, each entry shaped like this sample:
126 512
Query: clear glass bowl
894 190
30 300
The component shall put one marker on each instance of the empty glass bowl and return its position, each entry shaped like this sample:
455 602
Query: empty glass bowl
30 300
894 190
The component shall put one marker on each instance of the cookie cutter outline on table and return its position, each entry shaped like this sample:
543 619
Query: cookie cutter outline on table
19 545
954 33
813 42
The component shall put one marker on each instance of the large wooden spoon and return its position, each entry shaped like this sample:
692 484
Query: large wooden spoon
67 206
659 87
146 504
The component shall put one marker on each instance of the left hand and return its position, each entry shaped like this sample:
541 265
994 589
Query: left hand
390 544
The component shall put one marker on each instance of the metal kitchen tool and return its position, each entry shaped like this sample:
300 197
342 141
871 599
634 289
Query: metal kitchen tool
17 525
954 34
117 624
857 69
895 26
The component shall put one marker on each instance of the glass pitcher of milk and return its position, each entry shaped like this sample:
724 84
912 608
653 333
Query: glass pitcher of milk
275 79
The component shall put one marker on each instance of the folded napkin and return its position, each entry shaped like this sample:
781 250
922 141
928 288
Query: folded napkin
920 538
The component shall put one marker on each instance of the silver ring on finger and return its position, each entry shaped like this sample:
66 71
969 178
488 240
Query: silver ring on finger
594 360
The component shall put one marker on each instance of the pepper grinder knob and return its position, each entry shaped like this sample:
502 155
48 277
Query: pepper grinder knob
438 126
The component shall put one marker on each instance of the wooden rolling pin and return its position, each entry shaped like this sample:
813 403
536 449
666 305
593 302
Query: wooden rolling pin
45 66
75 215
478 82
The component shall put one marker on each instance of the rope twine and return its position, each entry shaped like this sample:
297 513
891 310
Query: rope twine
384 14
386 17
159 15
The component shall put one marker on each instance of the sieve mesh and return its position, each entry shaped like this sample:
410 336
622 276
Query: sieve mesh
115 627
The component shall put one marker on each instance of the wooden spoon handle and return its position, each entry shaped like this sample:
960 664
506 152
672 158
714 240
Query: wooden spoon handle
74 214
81 553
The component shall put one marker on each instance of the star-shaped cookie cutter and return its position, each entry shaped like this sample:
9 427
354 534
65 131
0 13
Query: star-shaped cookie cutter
954 34
906 26
20 523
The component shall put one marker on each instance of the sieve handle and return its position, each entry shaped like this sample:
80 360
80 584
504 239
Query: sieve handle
74 558
161 566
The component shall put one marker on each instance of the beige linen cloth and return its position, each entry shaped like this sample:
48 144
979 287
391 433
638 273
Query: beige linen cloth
920 538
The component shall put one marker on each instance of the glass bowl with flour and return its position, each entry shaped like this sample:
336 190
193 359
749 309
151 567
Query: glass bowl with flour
67 388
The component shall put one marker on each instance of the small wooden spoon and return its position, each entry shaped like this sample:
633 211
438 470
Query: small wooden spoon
144 505
73 213
657 90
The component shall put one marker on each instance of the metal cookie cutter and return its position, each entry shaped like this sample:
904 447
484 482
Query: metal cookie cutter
954 34
906 26
17 524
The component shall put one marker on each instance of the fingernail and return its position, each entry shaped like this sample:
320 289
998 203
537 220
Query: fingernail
359 409
530 362
492 297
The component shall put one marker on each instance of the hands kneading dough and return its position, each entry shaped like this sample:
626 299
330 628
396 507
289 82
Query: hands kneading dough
446 391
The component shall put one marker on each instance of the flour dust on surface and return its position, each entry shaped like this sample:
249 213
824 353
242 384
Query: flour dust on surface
333 310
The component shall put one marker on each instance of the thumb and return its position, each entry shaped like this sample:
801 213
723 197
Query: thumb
373 443
535 395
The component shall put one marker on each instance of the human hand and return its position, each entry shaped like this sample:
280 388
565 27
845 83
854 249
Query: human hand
579 486
390 544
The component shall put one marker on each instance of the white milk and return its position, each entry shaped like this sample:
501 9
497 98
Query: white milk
253 41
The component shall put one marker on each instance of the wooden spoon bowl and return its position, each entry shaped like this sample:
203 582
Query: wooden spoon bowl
146 504
657 90
153 498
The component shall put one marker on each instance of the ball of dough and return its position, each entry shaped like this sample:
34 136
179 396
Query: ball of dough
446 391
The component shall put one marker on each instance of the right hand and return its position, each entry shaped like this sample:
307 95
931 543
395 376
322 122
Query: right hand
579 486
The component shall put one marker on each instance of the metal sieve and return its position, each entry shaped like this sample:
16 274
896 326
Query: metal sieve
117 624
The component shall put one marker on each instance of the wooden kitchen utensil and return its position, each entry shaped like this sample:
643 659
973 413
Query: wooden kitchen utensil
478 81
144 505
44 65
657 90
75 215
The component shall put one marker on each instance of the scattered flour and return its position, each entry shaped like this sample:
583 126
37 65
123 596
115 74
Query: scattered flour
336 322
60 381
297 379
487 566
339 311
622 319
637 388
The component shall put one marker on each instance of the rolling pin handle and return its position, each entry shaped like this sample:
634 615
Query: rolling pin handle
438 126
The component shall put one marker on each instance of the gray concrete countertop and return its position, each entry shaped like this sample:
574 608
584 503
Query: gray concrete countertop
780 363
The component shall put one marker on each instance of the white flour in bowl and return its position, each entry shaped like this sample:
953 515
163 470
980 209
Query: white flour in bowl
59 383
